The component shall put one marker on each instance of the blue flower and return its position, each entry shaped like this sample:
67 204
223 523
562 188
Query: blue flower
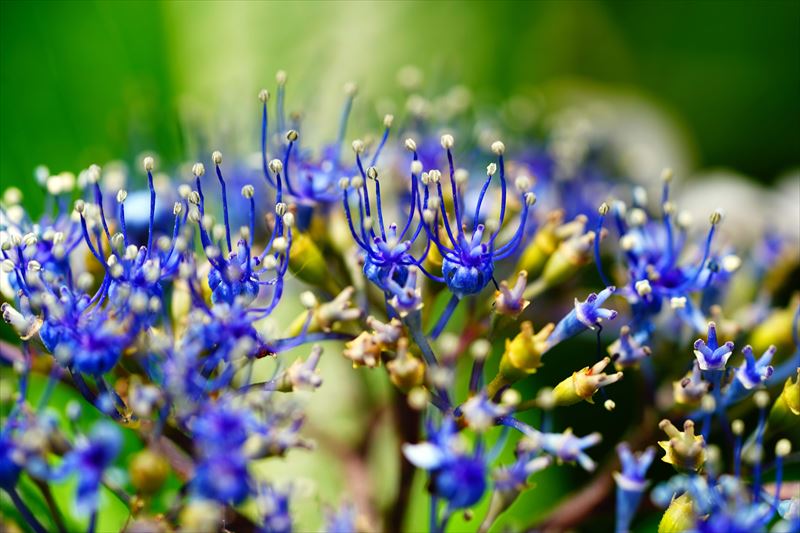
710 355
752 373
89 460
274 506
586 314
457 477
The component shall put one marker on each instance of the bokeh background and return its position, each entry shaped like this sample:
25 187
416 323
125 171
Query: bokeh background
712 84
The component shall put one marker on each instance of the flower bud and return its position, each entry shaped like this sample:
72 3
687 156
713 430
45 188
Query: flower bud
684 450
583 384
148 471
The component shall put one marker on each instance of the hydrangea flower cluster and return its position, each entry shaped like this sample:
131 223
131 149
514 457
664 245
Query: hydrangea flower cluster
163 313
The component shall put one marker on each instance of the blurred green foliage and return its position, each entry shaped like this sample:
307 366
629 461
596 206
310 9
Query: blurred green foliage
91 81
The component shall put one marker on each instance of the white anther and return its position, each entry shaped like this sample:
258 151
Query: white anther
522 183
716 217
603 209
387 121
491 168
350 88
435 176
461 176
357 182
737 426
177 208
216 157
708 404
610 405
344 183
280 209
148 163
416 167
511 398
194 214
276 166
30 239
263 95
684 219
218 232
280 77
498 148
372 173
666 174
270 262
731 263
7 266
198 169
122 194
117 240
434 203
627 242
411 145
212 252
530 198
428 216
12 196
279 245
358 146
80 206
761 398
288 219
480 349
292 135
93 174
367 222
783 448
637 217
643 287
85 281
308 300
248 191
193 197
677 302
447 141
207 222
492 225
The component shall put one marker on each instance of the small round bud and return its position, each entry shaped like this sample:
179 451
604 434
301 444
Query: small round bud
216 157
603 209
308 300
783 448
666 174
248 191
121 195
447 141
276 166
280 77
498 148
761 398
263 95
416 166
737 426
292 135
198 169
411 145
358 146
387 121
610 405
372 173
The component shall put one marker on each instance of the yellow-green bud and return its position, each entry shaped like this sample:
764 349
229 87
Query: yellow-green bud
148 471
678 517
523 353
684 450
405 370
583 384
307 263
